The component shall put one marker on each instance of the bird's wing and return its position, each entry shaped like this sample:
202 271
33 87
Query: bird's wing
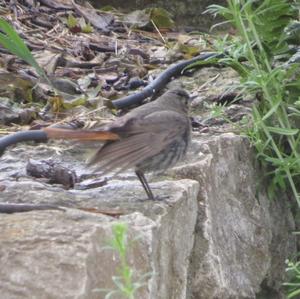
148 136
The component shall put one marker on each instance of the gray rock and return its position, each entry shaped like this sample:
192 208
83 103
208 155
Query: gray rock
229 241
241 237
54 254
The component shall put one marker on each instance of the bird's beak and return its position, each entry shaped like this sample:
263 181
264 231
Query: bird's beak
191 98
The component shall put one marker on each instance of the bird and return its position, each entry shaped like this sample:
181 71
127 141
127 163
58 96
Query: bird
150 138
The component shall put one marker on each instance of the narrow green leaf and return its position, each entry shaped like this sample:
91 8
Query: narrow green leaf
271 111
13 43
9 45
294 293
283 131
13 35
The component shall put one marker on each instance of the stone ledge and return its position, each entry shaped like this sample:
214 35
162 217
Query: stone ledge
235 249
54 254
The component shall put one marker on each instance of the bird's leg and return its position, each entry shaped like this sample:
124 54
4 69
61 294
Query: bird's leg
145 184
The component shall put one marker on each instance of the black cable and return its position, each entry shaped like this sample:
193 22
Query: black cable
34 135
161 80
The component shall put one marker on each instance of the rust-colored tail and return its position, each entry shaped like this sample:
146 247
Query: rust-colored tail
57 133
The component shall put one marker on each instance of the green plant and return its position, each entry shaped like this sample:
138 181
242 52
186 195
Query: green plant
10 40
253 54
78 25
262 56
293 286
124 281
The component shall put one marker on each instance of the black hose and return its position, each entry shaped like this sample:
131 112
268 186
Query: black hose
161 81
134 99
34 135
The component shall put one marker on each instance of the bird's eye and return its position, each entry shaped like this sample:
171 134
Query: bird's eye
182 93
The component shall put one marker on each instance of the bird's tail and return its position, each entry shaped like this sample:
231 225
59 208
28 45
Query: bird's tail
82 135
45 134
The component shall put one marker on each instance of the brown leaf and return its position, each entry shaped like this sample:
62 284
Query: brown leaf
98 21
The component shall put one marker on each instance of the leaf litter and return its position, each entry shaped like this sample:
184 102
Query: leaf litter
91 56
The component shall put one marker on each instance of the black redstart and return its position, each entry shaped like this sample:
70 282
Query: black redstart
152 138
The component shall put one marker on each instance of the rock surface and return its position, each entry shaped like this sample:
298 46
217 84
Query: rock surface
227 241
54 254
241 237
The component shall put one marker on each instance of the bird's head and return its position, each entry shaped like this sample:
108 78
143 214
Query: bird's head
176 99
